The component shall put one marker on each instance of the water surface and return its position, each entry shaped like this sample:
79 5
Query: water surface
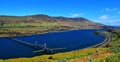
71 40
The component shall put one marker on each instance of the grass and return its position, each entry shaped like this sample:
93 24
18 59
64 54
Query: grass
22 25
58 56
36 28
111 58
32 28
114 46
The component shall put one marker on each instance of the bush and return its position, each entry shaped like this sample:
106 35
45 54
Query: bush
50 57
115 49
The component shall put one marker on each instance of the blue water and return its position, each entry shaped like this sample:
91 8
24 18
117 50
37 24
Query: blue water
71 40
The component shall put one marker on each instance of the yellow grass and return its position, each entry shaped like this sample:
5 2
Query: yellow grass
58 56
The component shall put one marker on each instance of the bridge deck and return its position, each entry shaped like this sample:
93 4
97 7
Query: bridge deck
24 42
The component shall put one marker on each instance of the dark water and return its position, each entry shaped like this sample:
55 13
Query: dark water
71 40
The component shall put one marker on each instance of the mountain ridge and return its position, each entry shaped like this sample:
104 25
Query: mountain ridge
41 18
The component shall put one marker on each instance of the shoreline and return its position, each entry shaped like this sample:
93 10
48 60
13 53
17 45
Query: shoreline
94 46
8 35
104 43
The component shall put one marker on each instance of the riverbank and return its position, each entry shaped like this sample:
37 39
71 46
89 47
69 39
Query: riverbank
13 33
58 56
8 32
80 55
105 42
80 33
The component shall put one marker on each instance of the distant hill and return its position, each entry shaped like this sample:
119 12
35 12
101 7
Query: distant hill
63 21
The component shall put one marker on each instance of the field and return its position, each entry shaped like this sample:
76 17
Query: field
59 56
32 28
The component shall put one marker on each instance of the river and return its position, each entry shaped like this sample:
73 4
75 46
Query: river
71 40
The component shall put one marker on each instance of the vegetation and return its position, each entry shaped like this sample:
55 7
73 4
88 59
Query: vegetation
111 58
115 44
31 28
109 54
35 24
114 47
59 56
38 24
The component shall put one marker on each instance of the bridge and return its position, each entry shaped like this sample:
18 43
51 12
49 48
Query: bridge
26 43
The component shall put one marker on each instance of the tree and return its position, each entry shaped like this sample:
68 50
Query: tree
115 49
1 23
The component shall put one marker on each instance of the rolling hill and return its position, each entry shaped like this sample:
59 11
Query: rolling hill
79 22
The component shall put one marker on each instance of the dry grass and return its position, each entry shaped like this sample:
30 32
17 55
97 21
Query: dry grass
58 56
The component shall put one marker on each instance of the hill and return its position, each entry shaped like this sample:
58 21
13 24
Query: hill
62 21
37 24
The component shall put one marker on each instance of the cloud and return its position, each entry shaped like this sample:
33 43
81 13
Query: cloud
110 9
107 9
77 15
113 22
119 12
104 17
107 19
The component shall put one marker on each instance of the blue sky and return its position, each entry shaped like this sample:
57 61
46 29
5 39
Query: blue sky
101 11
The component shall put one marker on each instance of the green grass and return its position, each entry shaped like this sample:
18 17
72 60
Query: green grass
111 58
32 28
22 25
114 46
59 56
40 28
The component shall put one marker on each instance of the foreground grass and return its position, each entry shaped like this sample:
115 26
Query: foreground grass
114 46
111 58
58 56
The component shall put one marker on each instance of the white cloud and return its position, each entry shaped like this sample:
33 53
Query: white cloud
110 9
114 9
104 17
108 20
113 22
77 15
107 9
119 12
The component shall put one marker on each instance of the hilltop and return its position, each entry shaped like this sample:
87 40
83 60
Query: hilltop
37 24
62 21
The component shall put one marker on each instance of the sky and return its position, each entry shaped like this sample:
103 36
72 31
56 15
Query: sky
101 11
